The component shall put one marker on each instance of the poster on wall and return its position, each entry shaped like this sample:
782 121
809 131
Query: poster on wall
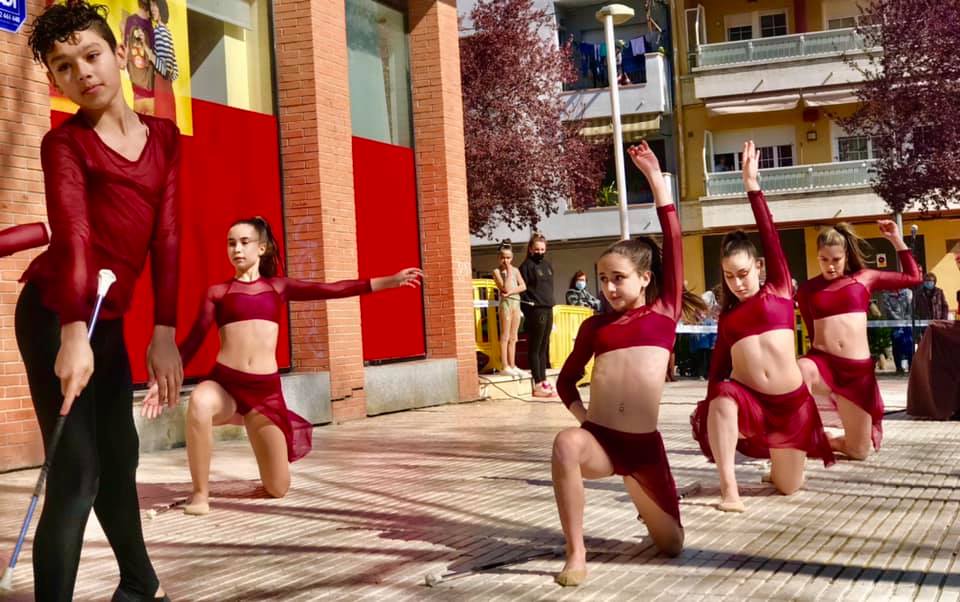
156 80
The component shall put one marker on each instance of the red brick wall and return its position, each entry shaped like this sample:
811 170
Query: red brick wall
24 118
315 137
318 195
441 177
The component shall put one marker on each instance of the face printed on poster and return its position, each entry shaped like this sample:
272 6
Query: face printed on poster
157 76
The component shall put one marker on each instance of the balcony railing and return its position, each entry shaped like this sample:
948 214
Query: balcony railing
799 178
795 46
599 222
652 96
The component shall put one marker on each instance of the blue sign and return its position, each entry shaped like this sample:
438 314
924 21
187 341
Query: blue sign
12 14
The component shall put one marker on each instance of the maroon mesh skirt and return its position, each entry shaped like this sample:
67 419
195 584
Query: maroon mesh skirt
643 457
262 392
855 380
785 421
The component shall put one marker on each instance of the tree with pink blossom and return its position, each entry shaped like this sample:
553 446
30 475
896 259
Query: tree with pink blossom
523 151
910 101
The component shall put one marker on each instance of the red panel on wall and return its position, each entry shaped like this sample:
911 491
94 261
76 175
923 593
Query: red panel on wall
388 240
230 169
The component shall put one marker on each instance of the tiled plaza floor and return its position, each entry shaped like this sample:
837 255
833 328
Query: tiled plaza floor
464 491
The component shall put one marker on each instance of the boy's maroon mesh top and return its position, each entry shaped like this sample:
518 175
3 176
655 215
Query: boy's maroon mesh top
106 211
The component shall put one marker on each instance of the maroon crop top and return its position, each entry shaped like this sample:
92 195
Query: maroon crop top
821 298
770 309
261 299
653 325
23 237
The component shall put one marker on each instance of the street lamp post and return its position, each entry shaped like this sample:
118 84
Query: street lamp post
610 15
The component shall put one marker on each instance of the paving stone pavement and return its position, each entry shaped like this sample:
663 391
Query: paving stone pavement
464 491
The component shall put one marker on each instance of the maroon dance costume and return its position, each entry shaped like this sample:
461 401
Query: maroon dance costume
262 299
788 420
20 238
854 379
639 455
107 211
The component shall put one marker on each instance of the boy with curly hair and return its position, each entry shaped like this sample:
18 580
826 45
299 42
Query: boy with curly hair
110 176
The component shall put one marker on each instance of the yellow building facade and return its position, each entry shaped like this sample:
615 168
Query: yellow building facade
778 72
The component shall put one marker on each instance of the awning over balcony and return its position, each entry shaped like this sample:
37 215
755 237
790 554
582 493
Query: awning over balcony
635 127
830 97
754 104
782 102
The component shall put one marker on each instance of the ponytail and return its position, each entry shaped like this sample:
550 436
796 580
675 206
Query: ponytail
271 263
694 308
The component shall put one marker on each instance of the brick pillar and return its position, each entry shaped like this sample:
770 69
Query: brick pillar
442 183
314 99
24 119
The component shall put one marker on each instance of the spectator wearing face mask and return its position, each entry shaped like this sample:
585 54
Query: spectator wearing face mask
929 302
537 307
578 294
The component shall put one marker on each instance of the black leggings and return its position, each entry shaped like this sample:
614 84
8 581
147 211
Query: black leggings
538 323
95 463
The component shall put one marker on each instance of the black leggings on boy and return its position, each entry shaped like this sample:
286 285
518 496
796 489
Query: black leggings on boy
95 462
538 322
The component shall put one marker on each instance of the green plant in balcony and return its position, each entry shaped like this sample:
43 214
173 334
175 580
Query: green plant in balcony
608 195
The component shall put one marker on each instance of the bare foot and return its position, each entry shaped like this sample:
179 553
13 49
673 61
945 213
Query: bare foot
197 505
731 506
730 500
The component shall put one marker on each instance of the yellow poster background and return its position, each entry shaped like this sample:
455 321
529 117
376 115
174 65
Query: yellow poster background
160 104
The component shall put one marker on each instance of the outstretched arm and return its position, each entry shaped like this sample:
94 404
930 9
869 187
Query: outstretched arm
23 237
778 272
302 290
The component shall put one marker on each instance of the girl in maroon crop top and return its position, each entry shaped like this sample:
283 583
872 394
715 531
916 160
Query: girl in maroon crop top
20 238
756 400
631 346
838 368
244 386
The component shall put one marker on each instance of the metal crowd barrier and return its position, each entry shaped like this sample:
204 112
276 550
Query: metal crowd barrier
568 318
